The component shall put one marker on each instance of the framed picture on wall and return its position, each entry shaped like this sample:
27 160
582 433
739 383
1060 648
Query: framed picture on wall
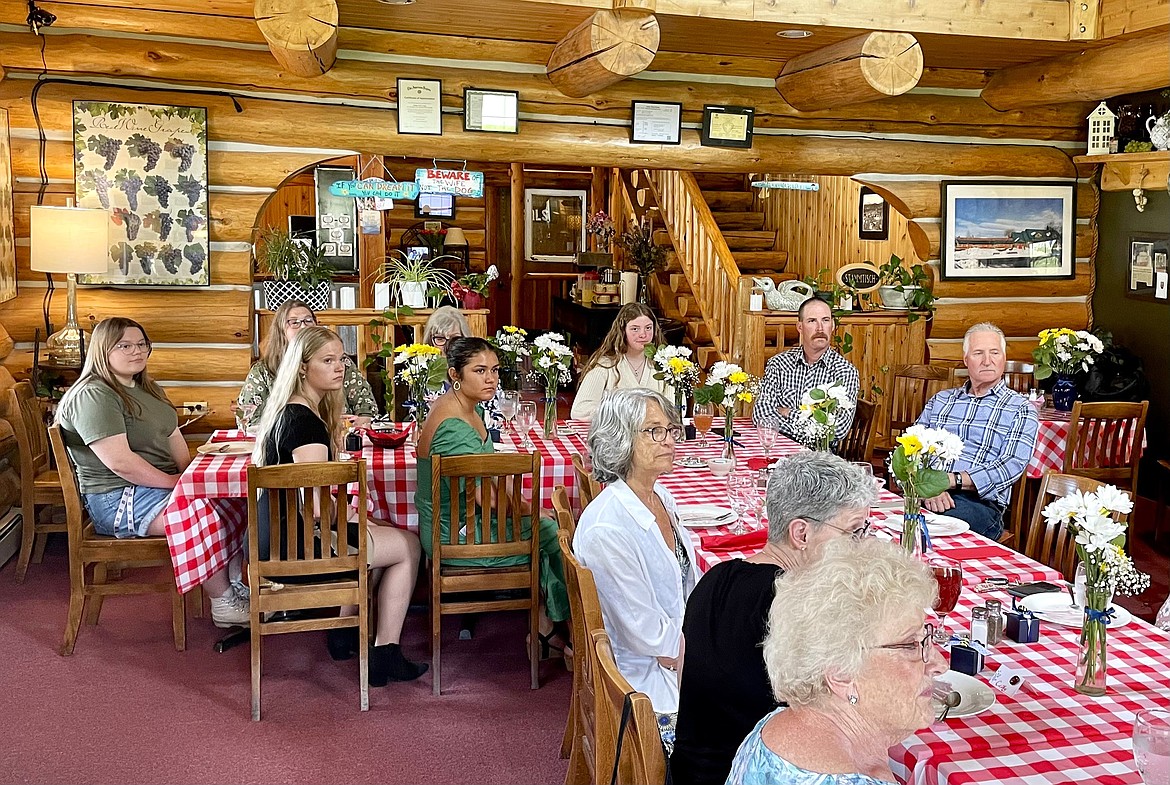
1008 230
420 106
434 206
491 110
1146 270
727 126
656 122
873 216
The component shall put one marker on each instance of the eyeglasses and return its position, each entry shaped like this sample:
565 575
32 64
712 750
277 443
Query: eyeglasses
924 646
308 321
659 433
132 348
439 341
860 533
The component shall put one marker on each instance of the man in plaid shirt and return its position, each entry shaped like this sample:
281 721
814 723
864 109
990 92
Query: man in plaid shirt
789 375
998 428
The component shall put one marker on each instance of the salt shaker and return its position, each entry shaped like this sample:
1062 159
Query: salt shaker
994 622
979 625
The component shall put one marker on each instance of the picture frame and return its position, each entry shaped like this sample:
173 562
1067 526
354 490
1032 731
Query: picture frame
420 106
873 215
430 205
1007 230
1146 266
727 126
432 226
491 111
655 122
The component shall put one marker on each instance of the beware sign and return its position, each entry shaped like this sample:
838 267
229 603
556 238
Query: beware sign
860 277
449 181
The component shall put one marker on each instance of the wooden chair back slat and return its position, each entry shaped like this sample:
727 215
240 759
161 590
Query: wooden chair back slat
858 442
588 487
566 521
1105 441
643 759
909 388
1054 544
1020 376
75 514
27 416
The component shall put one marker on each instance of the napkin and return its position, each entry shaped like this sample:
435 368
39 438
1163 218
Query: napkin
752 541
755 464
970 552
232 435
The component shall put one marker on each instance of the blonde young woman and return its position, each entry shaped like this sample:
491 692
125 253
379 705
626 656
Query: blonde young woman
289 320
620 363
302 423
122 434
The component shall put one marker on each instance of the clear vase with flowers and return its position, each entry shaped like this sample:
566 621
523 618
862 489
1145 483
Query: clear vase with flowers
727 384
423 369
674 366
551 359
918 464
818 412
511 344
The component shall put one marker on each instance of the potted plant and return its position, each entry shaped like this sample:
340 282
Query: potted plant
643 254
298 269
905 289
413 281
471 290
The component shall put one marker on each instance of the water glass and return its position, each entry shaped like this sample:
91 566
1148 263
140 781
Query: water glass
244 416
741 493
1151 745
510 406
767 436
526 421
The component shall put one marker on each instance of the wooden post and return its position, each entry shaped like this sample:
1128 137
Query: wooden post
371 248
1084 20
517 221
597 195
865 68
301 34
604 49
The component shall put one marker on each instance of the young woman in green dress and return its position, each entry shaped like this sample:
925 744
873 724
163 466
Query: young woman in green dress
455 426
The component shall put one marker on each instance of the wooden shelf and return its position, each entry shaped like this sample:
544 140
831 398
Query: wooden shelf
1126 171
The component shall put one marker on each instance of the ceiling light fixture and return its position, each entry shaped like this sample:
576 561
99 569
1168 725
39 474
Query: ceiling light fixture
794 33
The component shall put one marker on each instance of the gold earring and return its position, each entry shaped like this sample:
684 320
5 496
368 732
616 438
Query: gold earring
456 386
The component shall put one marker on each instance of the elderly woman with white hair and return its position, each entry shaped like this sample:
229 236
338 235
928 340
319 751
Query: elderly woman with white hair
813 498
849 651
630 538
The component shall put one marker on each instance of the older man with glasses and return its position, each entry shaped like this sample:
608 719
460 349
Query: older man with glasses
813 498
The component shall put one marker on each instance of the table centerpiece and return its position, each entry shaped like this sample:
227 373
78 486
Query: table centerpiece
817 414
551 358
727 384
674 366
918 465
1065 352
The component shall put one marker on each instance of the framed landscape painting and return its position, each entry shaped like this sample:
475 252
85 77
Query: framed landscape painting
1008 230
147 166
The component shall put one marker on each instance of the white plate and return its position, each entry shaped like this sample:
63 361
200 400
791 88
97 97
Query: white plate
691 462
976 696
1055 607
945 525
226 448
702 516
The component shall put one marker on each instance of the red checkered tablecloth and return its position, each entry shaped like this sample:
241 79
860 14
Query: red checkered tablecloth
207 513
1051 437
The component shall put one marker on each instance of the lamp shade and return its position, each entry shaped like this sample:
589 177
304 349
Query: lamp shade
68 239
455 236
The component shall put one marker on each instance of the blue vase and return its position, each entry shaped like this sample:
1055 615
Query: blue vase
1064 393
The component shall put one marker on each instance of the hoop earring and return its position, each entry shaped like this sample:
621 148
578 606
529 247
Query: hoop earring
456 385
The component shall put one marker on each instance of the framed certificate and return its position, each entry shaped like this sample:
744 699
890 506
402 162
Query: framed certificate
491 110
656 122
420 106
727 126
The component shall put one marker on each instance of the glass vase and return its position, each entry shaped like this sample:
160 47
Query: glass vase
728 436
1064 393
550 413
913 523
1092 665
680 405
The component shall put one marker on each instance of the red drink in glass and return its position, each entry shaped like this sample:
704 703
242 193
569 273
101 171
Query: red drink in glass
948 575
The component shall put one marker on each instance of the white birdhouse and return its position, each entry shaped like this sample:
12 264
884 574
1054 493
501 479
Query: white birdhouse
1101 123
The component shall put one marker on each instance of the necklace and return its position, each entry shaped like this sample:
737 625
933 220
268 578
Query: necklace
637 371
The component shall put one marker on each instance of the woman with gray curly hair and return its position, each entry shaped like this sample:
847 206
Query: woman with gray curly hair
813 498
849 651
630 538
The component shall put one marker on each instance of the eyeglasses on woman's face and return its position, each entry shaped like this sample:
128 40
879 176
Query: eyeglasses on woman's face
659 433
296 324
441 341
132 348
857 532
924 646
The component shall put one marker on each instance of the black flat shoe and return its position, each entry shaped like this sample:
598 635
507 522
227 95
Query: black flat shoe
342 643
387 664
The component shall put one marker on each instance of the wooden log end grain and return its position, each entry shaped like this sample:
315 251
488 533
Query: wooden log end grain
604 49
301 34
865 68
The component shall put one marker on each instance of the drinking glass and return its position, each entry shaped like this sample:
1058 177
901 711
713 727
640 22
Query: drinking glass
767 435
704 414
244 416
526 421
510 407
1151 745
948 574
741 488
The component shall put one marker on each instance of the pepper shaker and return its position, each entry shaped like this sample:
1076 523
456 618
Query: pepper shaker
994 622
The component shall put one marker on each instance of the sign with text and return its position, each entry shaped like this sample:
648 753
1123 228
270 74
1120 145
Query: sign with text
450 181
374 187
859 277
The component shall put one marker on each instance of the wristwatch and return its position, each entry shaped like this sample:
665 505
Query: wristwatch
958 476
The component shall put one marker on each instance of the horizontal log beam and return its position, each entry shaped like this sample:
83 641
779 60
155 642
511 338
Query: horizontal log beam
180 364
1018 349
1142 63
866 68
923 198
301 34
1021 317
1080 286
604 49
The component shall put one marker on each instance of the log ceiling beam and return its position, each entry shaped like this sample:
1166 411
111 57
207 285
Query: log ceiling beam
603 50
865 68
301 34
1141 63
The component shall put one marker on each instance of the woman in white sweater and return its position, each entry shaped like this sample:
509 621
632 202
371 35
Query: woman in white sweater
621 362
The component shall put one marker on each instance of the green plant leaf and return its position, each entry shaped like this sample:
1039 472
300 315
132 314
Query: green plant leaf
932 482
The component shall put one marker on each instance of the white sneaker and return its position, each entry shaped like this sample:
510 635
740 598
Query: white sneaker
230 610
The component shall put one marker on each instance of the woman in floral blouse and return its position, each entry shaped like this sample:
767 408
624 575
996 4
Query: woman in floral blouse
287 322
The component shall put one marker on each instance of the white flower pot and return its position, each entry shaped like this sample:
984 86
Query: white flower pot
413 294
382 296
892 298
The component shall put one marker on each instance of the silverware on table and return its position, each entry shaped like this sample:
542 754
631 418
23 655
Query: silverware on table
949 702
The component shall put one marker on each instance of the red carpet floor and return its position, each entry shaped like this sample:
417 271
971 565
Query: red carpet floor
126 707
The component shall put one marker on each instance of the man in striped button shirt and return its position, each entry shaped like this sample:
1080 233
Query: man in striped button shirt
998 428
789 375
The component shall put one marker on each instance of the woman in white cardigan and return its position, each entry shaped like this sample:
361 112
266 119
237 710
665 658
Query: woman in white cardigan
621 362
629 536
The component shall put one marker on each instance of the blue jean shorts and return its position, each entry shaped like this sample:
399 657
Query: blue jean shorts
126 512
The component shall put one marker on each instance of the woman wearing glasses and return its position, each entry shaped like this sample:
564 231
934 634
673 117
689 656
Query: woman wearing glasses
620 363
813 498
288 320
629 536
849 651
122 434
445 325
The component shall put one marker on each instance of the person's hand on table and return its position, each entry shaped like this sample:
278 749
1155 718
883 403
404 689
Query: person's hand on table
940 503
362 422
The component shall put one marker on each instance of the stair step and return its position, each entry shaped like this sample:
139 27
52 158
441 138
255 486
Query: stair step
688 306
761 261
673 265
698 331
707 355
750 241
720 181
729 200
746 221
679 283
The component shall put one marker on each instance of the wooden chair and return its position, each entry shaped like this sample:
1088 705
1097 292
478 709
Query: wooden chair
908 390
580 744
642 759
566 521
1020 376
857 446
588 487
490 520
301 571
1105 442
40 486
1018 504
88 549
1054 544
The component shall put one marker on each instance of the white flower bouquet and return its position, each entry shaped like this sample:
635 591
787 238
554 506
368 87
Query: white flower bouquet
551 362
511 344
1065 351
918 463
423 369
673 365
818 411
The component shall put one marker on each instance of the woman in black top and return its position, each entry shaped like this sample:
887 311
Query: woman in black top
813 497
302 423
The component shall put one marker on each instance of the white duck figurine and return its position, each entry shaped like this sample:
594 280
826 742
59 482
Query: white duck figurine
788 298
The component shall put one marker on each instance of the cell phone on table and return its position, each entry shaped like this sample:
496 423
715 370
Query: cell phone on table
1035 587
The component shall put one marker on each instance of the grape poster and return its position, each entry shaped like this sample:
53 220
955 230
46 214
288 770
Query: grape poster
147 166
